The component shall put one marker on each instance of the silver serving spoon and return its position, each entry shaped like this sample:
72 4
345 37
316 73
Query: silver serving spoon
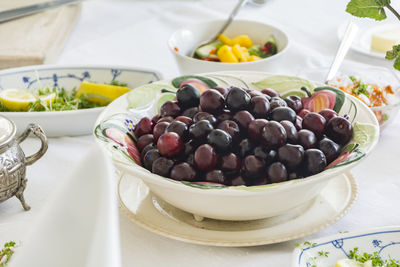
344 46
226 24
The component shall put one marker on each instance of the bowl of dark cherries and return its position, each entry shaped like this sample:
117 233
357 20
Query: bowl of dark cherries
241 154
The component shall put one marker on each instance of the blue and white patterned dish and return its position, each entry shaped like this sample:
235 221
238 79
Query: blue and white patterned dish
74 122
385 241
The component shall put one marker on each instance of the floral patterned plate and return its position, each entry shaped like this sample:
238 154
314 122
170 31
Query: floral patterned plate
114 131
326 251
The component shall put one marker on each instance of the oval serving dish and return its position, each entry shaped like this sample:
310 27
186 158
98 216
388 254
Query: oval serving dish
71 122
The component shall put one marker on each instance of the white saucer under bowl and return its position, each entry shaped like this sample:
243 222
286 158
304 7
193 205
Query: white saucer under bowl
152 213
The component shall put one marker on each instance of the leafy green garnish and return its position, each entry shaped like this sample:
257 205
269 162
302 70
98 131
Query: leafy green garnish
373 9
255 50
64 100
117 83
323 253
352 78
394 54
361 89
6 253
374 258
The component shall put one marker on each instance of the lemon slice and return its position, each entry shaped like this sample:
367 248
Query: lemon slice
16 99
101 93
350 263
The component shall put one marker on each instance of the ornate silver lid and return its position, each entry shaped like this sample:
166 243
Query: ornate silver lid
7 131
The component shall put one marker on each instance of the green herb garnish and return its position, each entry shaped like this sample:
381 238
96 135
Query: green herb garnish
255 50
64 100
361 89
6 253
323 253
117 83
374 258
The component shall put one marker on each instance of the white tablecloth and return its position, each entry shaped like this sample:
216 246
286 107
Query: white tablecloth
134 33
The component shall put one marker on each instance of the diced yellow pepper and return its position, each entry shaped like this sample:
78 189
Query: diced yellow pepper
225 54
242 40
239 53
254 58
225 39
245 52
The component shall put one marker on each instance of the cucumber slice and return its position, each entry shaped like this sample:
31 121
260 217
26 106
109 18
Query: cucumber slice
204 51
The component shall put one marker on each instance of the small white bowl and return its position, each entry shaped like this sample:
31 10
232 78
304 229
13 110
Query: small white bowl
183 41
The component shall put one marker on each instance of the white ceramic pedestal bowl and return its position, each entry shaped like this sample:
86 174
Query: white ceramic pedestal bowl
114 132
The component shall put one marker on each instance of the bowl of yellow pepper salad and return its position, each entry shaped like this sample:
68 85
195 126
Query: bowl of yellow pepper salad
245 45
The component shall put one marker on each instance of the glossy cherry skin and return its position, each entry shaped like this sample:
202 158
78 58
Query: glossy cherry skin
306 139
237 99
243 119
205 157
188 96
315 123
277 172
178 127
328 114
162 166
283 113
144 126
212 101
291 131
183 172
253 167
159 129
215 176
273 135
230 162
232 128
150 157
224 115
190 112
259 107
220 140
144 140
170 108
205 116
199 130
339 130
270 92
291 155
303 113
186 120
255 128
315 161
169 144
294 102
330 149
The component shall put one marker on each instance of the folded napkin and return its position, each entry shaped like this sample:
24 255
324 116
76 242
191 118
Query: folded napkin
35 39
79 225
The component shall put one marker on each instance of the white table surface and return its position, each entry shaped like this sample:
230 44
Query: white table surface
134 33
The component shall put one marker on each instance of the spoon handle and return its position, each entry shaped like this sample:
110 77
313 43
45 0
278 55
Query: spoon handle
232 16
345 44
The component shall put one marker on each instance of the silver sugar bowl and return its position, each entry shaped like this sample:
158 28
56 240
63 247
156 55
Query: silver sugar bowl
13 161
